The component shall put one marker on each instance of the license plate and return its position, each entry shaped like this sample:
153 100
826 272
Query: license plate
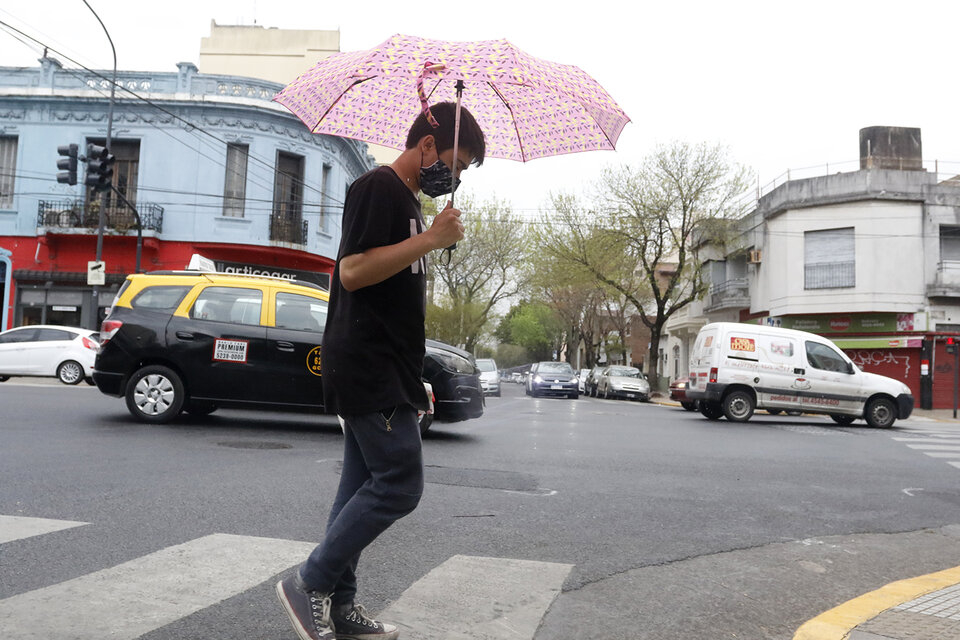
556 386
631 395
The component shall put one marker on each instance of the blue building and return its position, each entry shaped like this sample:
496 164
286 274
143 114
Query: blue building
211 164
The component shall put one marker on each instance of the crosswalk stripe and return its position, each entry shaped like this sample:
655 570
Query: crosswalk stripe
956 464
478 598
19 527
136 597
930 440
942 454
935 447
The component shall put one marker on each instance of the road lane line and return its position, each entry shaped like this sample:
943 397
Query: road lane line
19 527
954 441
136 597
935 447
478 598
942 454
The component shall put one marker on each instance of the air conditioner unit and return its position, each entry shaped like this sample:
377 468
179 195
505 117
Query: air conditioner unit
755 257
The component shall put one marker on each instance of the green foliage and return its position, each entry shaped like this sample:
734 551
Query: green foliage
511 355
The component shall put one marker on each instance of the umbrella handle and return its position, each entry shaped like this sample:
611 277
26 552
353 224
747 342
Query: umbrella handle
456 152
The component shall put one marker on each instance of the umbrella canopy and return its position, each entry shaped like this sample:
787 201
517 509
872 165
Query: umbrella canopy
527 107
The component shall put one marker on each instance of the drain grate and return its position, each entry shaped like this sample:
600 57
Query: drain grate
254 444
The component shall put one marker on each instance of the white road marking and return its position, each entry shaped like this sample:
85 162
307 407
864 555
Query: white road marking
942 454
938 440
19 527
478 598
935 447
131 599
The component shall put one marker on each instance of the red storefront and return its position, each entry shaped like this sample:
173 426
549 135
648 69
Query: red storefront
49 272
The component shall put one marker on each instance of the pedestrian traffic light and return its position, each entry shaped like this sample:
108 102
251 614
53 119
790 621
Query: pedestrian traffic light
952 344
67 164
99 167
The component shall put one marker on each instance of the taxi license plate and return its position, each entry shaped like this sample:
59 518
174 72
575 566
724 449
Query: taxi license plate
556 386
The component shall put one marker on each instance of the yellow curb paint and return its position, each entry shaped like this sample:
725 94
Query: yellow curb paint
838 622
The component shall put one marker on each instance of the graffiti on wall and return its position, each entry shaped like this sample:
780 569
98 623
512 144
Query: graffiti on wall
868 359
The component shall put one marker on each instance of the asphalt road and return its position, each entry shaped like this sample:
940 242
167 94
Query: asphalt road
665 524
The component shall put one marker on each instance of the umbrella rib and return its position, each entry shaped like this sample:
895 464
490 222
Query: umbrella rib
334 103
513 119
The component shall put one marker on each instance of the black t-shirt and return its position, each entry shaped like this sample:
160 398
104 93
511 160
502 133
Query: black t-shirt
373 344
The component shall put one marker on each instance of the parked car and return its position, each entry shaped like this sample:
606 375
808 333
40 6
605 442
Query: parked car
457 390
517 377
678 393
623 382
50 351
737 368
582 377
552 378
489 376
590 384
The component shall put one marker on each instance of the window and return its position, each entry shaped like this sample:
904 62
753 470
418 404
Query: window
820 356
288 186
326 211
8 169
949 243
18 335
159 298
228 304
829 259
295 311
54 335
235 181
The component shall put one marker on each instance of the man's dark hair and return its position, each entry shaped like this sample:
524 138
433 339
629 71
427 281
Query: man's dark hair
445 113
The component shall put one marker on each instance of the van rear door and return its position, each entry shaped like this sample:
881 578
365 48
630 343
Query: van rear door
702 357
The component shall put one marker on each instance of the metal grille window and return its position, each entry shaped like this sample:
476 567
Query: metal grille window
8 169
829 259
325 209
235 182
949 243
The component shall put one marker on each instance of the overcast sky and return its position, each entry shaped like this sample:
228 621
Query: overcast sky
783 85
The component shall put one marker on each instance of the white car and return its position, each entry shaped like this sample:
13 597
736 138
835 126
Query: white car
582 377
65 353
489 376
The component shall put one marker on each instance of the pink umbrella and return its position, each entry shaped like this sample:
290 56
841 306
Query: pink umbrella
527 107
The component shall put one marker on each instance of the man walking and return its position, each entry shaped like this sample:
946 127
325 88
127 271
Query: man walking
373 349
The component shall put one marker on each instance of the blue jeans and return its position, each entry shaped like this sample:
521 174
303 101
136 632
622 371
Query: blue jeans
381 481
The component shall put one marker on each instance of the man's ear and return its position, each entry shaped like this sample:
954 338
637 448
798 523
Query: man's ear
427 143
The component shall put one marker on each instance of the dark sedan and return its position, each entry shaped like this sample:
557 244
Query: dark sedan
456 382
553 378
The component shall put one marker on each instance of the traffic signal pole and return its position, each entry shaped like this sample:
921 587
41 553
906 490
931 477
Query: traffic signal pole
105 197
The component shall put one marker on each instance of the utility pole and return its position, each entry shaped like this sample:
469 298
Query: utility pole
105 194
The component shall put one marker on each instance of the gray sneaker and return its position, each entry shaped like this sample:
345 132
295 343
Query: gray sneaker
309 611
353 623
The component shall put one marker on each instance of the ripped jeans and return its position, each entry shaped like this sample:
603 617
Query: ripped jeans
381 481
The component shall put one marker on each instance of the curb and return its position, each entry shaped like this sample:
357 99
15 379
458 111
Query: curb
837 623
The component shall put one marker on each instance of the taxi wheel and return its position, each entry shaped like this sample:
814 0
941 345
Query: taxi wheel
880 413
4 378
738 406
155 394
70 372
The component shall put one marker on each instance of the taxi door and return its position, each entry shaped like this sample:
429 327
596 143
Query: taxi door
294 343
220 343
834 385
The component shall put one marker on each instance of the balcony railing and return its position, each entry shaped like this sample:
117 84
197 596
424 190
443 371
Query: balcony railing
82 214
729 294
830 275
286 229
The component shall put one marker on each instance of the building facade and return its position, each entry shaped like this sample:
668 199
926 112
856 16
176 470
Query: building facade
867 258
211 165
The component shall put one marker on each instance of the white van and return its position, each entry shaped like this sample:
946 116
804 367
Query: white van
736 368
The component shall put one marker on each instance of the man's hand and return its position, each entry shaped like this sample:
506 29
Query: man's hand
447 228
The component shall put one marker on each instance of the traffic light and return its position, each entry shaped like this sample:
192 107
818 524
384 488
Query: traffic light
952 344
67 164
99 167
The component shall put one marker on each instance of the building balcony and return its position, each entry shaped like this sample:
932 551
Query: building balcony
291 230
830 275
946 281
731 294
83 216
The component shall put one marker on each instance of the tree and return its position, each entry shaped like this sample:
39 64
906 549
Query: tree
481 272
535 327
646 218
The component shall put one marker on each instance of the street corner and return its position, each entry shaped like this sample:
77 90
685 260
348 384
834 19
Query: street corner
925 607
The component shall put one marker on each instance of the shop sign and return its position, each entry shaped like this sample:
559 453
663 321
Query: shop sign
853 323
316 277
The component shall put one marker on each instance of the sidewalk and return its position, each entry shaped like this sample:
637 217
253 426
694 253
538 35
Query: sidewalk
922 608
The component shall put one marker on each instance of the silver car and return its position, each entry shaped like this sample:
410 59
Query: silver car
623 382
489 376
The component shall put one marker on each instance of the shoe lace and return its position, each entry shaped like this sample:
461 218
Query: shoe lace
320 606
359 615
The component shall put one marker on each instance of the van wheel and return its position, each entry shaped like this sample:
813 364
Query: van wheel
738 406
880 413
843 420
155 394
711 410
